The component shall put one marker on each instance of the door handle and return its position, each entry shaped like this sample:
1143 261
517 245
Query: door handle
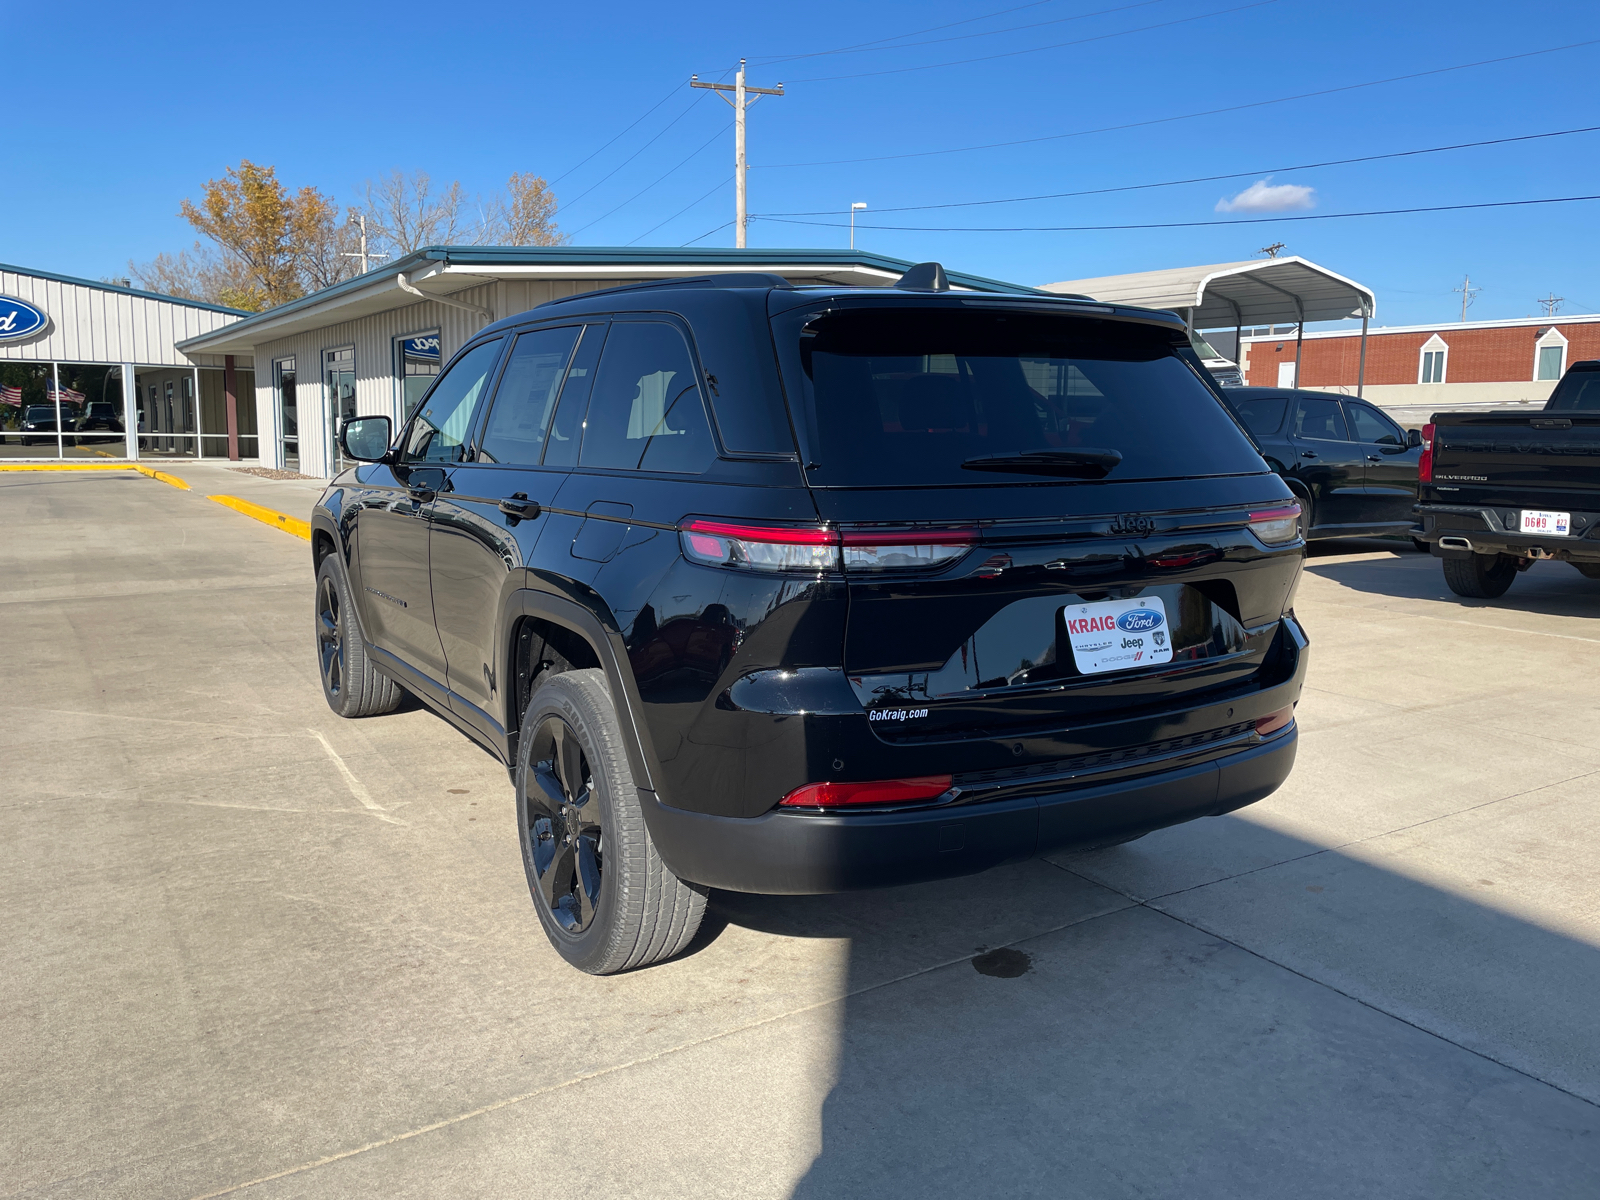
519 508
1308 454
1374 458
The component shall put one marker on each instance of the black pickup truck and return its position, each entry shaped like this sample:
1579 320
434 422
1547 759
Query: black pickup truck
1500 491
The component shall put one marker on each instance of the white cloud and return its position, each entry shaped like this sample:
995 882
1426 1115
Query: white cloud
1264 196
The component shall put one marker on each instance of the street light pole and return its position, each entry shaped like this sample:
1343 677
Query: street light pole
853 207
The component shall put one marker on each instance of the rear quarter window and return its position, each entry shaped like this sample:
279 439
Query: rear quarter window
905 397
1263 416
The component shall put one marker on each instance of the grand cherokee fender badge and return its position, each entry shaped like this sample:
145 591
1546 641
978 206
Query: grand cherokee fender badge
386 596
1133 524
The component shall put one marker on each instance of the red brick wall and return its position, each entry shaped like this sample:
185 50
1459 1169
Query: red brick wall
1476 355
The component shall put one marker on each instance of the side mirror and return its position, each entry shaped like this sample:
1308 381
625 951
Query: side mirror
1413 437
366 439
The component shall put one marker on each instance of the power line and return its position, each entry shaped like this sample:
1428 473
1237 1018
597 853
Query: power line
647 112
1210 112
878 48
715 188
706 234
961 62
636 153
1383 212
1137 187
771 59
652 184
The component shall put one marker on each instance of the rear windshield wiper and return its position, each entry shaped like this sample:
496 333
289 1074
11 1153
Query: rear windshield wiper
1085 462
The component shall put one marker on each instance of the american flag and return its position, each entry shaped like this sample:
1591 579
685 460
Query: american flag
68 396
11 395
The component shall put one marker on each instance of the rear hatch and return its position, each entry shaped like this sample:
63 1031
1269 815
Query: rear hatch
1046 515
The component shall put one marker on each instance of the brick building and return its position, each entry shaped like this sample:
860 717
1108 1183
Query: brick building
1431 365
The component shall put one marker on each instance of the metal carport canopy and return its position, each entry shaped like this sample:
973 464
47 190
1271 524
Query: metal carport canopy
1266 291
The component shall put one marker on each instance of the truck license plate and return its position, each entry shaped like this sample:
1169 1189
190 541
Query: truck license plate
1557 523
1118 635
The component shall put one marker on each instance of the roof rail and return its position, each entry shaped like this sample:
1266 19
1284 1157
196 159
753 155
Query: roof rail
730 279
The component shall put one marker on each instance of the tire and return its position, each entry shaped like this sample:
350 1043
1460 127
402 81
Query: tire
606 900
1589 570
1481 576
350 684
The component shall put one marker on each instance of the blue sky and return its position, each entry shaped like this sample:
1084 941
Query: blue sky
120 113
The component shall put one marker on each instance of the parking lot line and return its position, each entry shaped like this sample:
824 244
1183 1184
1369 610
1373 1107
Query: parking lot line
266 516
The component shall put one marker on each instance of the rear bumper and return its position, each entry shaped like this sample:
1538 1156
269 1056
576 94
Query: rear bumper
1492 529
807 853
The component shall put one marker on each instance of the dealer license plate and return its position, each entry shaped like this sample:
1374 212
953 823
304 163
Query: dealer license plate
1559 524
1118 635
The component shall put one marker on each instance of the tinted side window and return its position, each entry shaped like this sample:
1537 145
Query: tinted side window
1372 426
1320 419
526 395
646 410
1578 391
440 432
1264 415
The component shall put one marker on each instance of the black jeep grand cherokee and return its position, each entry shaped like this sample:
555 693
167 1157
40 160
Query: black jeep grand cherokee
797 589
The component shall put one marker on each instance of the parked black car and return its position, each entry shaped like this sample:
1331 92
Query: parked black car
802 589
99 414
1352 468
1504 490
38 423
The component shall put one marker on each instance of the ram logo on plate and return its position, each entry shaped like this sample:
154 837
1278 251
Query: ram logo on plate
19 319
1117 635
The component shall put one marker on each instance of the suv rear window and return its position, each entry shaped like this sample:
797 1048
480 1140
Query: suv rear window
1578 391
901 397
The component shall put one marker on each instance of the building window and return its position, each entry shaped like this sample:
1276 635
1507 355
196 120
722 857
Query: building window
416 362
339 378
283 375
1550 355
1434 353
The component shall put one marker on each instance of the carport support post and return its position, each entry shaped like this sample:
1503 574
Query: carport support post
199 422
130 411
1361 371
1299 337
230 389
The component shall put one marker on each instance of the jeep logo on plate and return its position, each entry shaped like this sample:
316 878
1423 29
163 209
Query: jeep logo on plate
1139 620
1133 523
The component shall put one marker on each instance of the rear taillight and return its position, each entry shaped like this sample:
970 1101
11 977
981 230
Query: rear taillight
891 549
1425 460
811 548
1274 721
859 795
760 547
1276 525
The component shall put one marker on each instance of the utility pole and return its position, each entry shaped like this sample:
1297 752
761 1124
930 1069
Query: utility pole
1468 294
365 258
740 92
1272 250
854 208
1552 304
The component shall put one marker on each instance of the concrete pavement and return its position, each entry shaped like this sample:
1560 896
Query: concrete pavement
255 950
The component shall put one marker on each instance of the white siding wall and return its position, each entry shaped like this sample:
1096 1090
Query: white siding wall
377 390
97 325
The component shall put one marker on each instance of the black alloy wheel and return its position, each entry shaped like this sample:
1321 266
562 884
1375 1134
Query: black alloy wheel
330 636
566 842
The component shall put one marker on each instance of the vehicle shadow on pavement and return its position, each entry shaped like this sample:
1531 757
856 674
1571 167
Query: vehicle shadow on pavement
1548 588
1289 1020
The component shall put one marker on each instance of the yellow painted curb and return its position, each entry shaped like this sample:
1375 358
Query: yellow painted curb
162 476
266 516
66 466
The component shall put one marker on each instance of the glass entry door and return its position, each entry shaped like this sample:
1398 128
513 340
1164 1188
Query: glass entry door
288 413
339 401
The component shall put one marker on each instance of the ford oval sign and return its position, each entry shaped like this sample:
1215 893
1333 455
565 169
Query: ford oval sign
19 319
1139 620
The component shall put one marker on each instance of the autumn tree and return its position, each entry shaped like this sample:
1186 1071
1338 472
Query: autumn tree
526 216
